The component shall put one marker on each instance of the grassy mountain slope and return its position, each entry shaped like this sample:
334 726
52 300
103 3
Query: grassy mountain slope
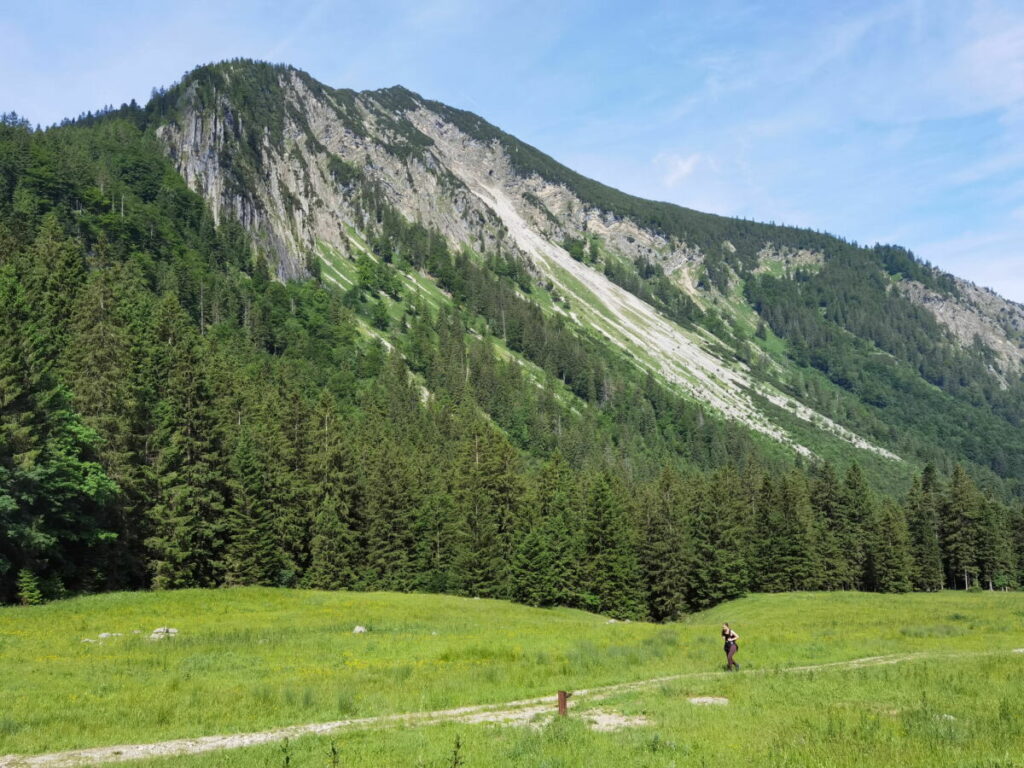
877 370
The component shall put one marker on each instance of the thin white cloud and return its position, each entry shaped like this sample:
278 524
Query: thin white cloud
988 69
676 168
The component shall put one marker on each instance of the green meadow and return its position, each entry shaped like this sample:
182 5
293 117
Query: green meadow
251 659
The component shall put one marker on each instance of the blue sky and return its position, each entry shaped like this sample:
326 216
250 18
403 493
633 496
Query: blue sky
880 121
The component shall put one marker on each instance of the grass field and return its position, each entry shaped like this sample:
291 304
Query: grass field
250 659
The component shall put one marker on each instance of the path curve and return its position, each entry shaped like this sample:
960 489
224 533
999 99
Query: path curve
471 714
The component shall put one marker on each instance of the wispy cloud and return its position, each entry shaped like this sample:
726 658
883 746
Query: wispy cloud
675 168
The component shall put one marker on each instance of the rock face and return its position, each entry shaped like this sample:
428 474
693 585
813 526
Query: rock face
291 186
294 196
978 316
292 172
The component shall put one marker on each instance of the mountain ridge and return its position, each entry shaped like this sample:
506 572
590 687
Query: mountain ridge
394 138
256 333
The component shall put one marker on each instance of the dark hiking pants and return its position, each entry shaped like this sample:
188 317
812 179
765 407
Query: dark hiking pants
730 651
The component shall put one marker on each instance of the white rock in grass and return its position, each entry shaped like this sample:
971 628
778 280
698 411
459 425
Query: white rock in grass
161 632
358 630
612 621
1018 650
603 720
709 700
88 640
944 717
110 634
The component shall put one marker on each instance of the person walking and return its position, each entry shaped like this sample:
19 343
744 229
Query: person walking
731 647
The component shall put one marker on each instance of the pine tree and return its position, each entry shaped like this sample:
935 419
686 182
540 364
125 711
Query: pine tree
856 508
997 560
549 557
922 518
333 546
612 574
889 566
792 534
29 592
487 493
668 555
960 513
188 537
252 555
838 570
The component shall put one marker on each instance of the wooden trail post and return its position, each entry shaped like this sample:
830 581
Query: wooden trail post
563 702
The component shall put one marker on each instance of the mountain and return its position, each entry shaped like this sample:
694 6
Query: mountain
266 331
674 289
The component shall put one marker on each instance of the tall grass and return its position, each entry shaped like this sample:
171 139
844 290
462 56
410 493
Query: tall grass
920 714
248 659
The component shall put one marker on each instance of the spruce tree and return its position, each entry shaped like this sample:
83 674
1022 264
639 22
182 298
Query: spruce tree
838 570
889 565
549 558
55 499
668 554
997 559
960 513
612 575
388 511
55 273
531 570
29 592
487 493
253 555
105 360
333 546
855 510
922 507
188 539
287 440
435 527
716 519
792 534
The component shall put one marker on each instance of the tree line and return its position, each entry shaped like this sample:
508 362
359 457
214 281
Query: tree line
171 417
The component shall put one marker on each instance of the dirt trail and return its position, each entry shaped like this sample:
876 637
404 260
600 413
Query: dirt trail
509 711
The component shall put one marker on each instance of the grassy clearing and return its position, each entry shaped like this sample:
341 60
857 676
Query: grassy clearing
966 712
249 659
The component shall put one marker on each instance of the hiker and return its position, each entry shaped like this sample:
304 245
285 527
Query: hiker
730 646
